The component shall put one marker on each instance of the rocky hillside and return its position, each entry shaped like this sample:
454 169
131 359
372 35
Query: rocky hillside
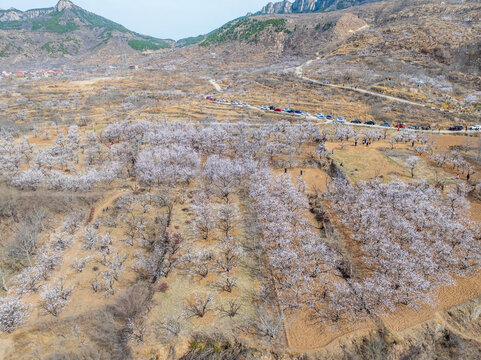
65 31
303 6
288 34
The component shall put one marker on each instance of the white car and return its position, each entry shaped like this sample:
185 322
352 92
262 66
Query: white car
341 120
475 128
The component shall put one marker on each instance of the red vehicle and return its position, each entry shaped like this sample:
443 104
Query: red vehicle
278 110
400 126
211 98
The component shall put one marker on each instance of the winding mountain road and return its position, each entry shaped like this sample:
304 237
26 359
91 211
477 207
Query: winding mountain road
299 72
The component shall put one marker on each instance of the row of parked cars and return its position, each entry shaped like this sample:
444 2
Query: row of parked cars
461 128
341 119
286 110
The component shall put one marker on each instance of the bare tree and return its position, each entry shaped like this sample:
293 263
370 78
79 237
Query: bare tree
131 308
267 325
228 283
167 328
199 262
198 305
231 309
162 259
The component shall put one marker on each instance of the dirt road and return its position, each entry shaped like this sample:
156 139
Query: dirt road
215 85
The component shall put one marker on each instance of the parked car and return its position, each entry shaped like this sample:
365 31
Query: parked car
341 120
426 127
329 117
325 82
272 107
386 124
399 126
475 128
456 128
298 111
356 122
278 110
319 116
370 122
414 127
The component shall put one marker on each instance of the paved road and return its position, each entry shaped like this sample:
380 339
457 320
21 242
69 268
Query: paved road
325 122
299 73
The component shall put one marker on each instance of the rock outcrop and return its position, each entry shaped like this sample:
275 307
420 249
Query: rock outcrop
304 6
300 6
282 7
17 15
63 5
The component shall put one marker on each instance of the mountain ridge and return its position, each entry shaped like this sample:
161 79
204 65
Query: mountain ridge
306 6
67 30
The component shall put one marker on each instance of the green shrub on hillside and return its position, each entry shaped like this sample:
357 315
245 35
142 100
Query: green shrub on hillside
327 26
190 41
11 25
143 45
246 29
55 48
95 21
53 24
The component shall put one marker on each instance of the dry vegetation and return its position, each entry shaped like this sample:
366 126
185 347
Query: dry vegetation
139 220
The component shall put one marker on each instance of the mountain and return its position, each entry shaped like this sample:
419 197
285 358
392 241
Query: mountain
67 31
281 7
303 6
251 28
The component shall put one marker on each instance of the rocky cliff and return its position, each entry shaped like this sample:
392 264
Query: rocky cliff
17 15
303 6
